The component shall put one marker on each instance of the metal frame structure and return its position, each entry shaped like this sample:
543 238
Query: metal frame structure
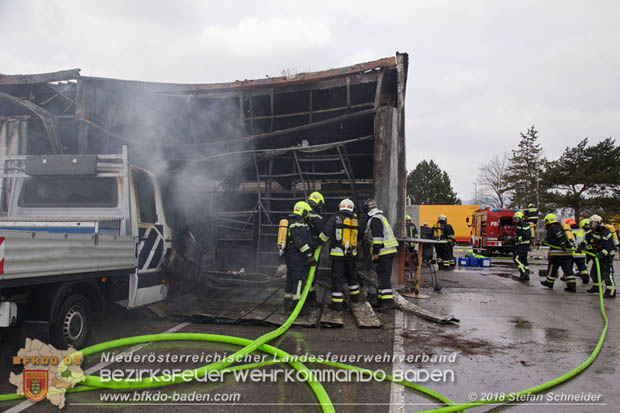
245 150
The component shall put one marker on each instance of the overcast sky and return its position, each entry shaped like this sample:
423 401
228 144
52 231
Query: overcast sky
480 71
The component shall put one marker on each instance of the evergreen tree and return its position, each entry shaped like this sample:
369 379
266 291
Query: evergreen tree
586 179
427 184
525 170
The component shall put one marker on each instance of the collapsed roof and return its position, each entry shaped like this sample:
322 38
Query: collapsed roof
236 155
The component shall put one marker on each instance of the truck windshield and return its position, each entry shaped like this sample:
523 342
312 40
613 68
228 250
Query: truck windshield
68 192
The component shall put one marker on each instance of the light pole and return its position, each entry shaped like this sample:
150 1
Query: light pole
475 193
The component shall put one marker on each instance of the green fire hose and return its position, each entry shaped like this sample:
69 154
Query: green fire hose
250 346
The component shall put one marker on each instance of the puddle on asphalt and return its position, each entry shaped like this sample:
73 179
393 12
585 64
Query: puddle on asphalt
430 341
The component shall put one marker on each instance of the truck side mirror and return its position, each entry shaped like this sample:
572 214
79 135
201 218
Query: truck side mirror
467 220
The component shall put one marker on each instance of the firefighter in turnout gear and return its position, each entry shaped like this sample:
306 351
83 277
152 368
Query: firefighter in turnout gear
556 238
531 217
602 244
579 257
444 231
342 230
299 255
315 222
383 251
523 238
531 214
585 246
411 232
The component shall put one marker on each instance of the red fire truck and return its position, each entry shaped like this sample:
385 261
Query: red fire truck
492 231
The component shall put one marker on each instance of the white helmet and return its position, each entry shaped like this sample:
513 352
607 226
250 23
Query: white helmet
442 217
596 219
346 205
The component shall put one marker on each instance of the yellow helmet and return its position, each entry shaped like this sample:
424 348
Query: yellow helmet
407 217
317 199
518 215
584 223
302 209
550 219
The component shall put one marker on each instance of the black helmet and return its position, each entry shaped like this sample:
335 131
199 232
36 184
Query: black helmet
369 204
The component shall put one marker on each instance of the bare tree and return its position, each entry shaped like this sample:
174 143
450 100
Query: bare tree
492 181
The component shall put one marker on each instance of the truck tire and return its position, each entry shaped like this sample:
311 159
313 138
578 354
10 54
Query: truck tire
72 324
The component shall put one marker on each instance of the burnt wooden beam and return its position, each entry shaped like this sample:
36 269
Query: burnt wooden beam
268 135
60 94
40 78
46 118
105 131
309 113
300 78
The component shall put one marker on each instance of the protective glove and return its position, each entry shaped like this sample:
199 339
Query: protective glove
375 257
311 260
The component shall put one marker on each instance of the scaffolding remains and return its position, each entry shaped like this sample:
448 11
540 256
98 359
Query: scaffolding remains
233 157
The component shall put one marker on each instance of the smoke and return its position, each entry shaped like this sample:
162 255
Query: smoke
184 140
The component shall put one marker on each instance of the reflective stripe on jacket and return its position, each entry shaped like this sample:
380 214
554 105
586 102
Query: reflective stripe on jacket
384 238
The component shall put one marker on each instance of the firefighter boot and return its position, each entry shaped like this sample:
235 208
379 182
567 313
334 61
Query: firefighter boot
525 276
288 305
610 292
311 300
571 288
593 289
335 306
305 310
547 284
585 278
385 305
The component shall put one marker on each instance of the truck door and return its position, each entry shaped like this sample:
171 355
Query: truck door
151 226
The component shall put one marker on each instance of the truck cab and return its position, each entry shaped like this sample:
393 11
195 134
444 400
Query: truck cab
78 231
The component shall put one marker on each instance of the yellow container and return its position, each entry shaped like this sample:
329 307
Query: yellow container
282 234
457 217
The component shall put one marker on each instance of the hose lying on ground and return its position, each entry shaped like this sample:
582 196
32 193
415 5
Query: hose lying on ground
249 346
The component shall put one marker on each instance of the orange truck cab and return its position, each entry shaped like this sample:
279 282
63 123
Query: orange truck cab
492 231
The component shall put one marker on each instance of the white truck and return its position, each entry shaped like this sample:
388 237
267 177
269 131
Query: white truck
78 232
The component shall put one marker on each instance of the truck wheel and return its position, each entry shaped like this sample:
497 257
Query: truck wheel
72 324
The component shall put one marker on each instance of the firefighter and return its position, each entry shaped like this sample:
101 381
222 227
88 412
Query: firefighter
444 231
579 257
342 229
523 238
556 238
315 222
412 232
531 214
602 244
299 255
585 246
383 251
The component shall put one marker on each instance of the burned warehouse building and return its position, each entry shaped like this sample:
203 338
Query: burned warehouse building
232 158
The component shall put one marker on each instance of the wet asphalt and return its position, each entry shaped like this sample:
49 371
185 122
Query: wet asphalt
511 336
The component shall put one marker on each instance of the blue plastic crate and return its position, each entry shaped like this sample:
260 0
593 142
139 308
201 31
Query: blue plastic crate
463 262
485 262
473 261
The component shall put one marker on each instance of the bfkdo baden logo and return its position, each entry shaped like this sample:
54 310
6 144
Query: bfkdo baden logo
48 372
36 384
